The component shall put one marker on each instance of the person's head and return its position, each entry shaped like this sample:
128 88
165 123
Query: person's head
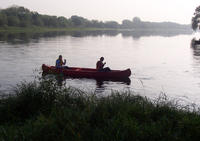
60 57
102 58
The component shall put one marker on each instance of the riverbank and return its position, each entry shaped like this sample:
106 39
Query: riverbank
43 110
35 29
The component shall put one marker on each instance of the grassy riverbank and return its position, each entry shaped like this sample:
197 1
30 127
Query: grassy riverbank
35 29
45 111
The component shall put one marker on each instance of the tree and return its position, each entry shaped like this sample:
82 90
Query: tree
62 22
78 21
3 19
136 20
127 24
24 16
96 23
111 24
196 19
13 21
37 19
137 23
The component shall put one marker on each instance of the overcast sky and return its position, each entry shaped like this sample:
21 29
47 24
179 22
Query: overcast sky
179 11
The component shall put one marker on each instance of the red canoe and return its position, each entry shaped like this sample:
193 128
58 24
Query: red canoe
87 72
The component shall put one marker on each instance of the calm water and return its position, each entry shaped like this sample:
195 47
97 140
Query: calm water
159 63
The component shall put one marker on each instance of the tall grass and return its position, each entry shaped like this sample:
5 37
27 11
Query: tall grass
45 111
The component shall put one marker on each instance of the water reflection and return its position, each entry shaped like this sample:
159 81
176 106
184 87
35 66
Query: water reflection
100 83
195 45
159 32
196 52
22 38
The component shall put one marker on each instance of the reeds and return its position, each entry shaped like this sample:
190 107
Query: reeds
43 110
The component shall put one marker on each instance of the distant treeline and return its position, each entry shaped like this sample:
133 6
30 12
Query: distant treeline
22 17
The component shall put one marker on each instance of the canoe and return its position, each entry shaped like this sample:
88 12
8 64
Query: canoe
86 72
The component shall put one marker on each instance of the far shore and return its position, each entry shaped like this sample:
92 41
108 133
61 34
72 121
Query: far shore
48 29
36 29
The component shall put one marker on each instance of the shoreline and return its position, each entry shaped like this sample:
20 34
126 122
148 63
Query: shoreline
35 29
50 29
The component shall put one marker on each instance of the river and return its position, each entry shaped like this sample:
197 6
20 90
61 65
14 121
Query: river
160 63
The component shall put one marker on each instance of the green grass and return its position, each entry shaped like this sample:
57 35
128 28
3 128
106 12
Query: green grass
43 110
35 29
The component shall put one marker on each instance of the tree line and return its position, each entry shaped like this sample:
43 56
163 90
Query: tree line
22 17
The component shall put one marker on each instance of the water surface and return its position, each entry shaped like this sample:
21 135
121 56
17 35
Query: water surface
159 63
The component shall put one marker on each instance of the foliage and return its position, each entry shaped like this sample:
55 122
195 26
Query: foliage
196 19
3 19
137 23
21 17
45 111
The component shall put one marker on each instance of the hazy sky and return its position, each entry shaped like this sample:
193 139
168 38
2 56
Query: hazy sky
179 11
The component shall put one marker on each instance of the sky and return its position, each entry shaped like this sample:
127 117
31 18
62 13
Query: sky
180 11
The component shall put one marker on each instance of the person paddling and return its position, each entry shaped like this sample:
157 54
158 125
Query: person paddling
60 63
100 65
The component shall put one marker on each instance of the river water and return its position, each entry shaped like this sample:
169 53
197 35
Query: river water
160 63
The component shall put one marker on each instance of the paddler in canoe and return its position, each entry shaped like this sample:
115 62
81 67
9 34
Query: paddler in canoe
60 63
100 65
99 73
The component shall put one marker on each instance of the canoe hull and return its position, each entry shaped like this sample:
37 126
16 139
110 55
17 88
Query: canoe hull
86 72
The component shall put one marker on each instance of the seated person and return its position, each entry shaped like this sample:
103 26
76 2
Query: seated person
100 65
60 63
